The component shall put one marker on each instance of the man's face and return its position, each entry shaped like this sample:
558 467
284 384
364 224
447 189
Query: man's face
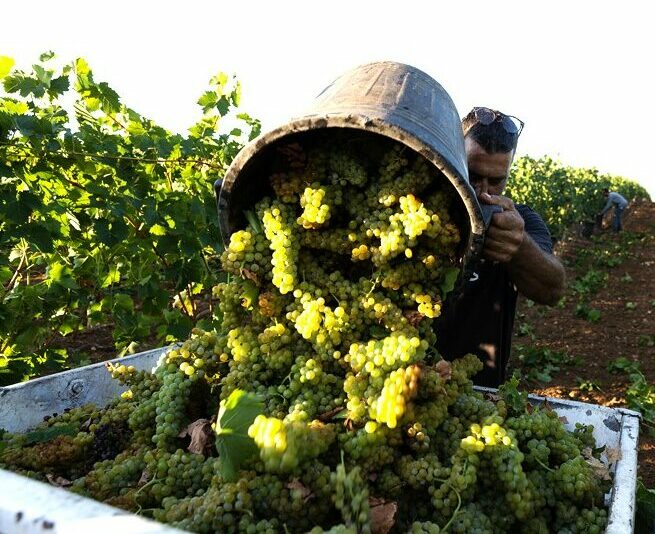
488 173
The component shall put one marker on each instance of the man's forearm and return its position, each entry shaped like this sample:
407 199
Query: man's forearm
537 275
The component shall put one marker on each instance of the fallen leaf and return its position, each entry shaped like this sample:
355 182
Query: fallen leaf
85 425
492 397
382 515
613 454
250 275
413 317
58 481
305 492
599 468
145 478
201 434
444 369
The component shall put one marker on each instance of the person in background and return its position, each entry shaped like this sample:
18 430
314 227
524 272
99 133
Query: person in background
619 203
518 255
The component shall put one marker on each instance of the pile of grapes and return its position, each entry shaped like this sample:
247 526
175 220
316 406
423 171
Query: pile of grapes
319 403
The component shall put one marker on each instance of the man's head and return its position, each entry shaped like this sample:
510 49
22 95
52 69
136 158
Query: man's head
606 192
490 139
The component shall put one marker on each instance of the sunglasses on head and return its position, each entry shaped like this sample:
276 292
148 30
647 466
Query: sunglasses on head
487 116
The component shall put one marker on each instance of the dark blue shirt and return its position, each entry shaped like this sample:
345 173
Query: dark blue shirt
481 319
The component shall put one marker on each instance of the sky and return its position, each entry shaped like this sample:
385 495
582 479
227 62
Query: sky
578 73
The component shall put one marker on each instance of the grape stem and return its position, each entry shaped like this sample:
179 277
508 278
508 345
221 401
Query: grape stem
459 504
543 465
136 494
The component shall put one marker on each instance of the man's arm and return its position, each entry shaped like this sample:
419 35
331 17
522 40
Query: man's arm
537 274
607 206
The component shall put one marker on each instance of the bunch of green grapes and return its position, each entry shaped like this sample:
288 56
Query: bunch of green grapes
285 444
278 221
319 202
248 250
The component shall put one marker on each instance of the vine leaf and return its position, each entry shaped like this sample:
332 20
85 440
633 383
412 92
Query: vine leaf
50 433
517 401
249 295
233 444
449 279
6 63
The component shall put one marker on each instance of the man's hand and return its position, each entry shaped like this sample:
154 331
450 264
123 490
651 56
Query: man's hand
506 231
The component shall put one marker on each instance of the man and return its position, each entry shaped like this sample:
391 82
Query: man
619 203
517 254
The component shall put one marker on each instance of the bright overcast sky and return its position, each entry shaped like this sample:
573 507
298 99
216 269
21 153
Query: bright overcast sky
579 73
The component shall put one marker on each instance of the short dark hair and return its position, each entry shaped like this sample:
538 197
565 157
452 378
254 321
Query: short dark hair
493 138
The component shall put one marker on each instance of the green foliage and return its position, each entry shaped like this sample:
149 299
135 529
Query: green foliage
623 365
607 253
590 283
564 195
587 385
105 217
540 363
526 329
640 394
646 340
645 516
583 310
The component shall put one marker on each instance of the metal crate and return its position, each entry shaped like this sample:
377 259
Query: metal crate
28 506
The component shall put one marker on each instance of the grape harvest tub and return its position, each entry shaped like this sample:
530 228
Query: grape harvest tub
28 506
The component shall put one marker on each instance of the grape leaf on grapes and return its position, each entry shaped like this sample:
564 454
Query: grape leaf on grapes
377 331
516 400
449 279
249 294
233 444
253 222
47 434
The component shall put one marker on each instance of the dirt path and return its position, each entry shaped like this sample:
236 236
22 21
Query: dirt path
623 308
